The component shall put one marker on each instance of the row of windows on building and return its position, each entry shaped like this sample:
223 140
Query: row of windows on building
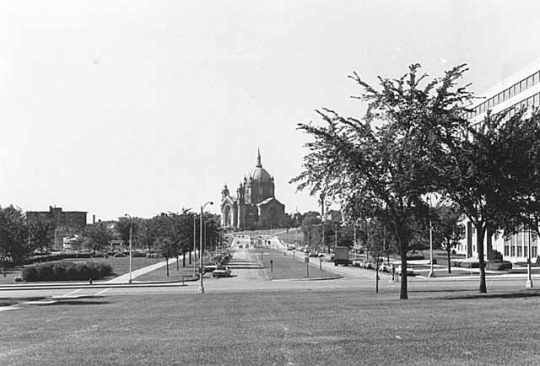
518 245
505 95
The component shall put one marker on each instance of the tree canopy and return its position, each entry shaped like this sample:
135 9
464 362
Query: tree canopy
380 165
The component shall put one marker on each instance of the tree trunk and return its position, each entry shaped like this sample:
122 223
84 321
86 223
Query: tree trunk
190 255
403 292
167 261
480 232
448 256
184 258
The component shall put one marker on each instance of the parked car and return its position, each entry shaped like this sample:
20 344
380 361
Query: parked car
409 270
222 272
212 267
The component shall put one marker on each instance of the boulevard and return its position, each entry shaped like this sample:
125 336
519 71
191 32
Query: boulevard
249 275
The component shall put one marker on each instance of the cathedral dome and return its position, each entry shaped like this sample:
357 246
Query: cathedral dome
259 173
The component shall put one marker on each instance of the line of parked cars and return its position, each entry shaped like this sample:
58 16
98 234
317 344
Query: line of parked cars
218 267
383 267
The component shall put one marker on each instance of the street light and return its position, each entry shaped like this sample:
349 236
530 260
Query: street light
529 283
431 197
130 237
201 288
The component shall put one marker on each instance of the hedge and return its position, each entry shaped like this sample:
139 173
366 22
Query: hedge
66 271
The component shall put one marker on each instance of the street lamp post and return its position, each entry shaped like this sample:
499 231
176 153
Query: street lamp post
429 199
529 283
130 245
194 244
201 288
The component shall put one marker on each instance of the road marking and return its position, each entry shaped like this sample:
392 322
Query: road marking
72 292
4 308
99 293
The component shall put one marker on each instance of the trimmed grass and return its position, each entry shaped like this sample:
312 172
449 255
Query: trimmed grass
176 273
120 266
286 267
277 328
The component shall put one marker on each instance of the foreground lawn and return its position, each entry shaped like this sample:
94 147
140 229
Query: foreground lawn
277 328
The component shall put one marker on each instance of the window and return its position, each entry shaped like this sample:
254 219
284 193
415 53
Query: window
523 84
534 252
506 250
529 81
536 78
519 251
513 251
536 100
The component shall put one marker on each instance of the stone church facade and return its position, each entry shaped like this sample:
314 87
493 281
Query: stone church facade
255 205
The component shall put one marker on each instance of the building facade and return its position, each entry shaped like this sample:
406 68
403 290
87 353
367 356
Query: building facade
255 205
66 223
521 90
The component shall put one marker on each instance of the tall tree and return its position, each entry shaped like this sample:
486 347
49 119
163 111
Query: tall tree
479 172
13 236
97 236
448 229
390 162
40 235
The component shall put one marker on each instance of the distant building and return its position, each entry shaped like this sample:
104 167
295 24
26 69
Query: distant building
66 223
521 90
255 205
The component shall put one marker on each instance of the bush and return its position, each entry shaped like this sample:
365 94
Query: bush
66 271
499 266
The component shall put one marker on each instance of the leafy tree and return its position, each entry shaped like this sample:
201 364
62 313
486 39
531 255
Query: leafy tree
448 229
351 159
523 174
480 172
41 234
311 224
97 236
13 236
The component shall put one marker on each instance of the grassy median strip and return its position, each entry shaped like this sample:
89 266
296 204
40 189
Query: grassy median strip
286 265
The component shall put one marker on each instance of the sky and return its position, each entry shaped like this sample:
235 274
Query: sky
143 107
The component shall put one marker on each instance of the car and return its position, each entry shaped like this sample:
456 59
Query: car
222 272
409 272
212 267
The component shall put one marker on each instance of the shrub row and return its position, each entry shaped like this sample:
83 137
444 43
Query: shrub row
55 257
499 266
66 271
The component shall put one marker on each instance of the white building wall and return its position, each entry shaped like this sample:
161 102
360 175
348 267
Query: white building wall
519 90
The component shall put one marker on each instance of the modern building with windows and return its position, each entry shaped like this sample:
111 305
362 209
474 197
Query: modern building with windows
521 90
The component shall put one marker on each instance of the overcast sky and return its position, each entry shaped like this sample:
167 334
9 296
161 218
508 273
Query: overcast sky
143 107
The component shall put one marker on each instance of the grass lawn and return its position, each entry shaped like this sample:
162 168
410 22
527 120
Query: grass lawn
277 328
120 266
286 267
176 272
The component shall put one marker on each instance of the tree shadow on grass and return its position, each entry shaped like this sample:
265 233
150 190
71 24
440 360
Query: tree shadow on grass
80 302
506 295
17 300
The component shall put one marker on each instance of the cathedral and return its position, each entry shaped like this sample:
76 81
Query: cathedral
255 206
